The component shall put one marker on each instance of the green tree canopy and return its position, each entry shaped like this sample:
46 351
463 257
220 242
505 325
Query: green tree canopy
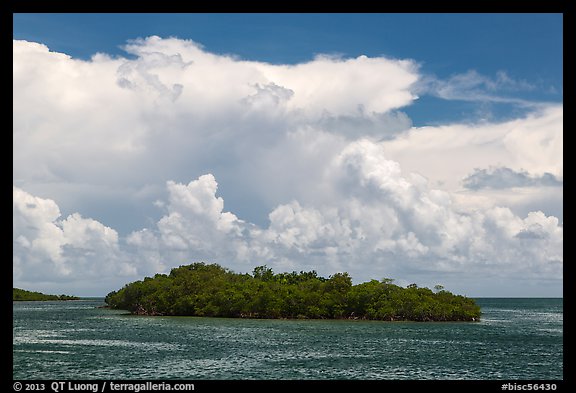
203 289
23 295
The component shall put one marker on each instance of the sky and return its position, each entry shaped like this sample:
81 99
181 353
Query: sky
427 148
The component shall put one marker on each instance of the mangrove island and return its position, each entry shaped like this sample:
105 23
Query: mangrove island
23 295
210 290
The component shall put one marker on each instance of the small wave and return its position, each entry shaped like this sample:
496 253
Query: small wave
552 330
148 346
42 351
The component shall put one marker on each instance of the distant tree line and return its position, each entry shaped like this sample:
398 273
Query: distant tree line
23 295
210 290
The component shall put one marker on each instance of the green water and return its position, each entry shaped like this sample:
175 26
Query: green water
516 339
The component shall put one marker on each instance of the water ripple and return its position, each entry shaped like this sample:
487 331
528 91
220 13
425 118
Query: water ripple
516 339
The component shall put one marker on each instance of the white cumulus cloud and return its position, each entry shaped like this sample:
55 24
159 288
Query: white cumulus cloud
174 154
48 248
381 221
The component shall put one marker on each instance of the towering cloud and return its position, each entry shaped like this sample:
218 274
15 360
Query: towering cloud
178 154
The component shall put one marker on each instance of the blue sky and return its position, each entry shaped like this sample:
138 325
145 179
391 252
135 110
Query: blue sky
424 147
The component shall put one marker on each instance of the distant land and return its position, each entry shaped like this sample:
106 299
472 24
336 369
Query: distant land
23 295
211 290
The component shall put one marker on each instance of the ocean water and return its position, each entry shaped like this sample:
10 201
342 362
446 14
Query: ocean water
516 339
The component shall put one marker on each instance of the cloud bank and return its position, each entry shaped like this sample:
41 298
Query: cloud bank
502 177
378 222
305 166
